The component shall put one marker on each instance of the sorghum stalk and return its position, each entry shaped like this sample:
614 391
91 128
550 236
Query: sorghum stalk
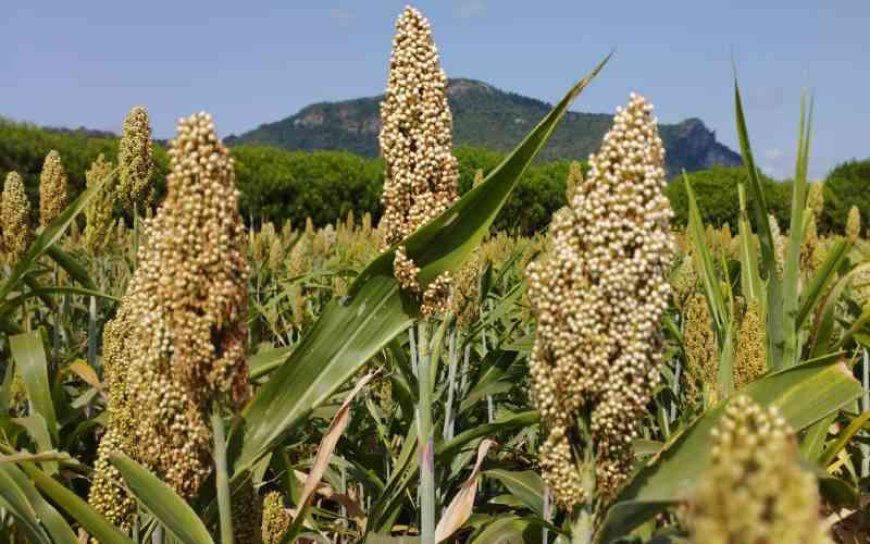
421 182
598 297
425 432
52 201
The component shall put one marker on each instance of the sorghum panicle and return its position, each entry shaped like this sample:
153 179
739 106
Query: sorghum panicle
810 251
700 349
755 491
135 160
436 297
465 295
247 515
750 360
276 519
422 175
185 311
779 244
574 180
599 298
98 213
853 224
816 199
107 495
14 215
478 178
405 271
52 188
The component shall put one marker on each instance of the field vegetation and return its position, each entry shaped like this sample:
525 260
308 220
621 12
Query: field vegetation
201 344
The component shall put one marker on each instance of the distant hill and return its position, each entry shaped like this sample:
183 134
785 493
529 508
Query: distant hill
483 116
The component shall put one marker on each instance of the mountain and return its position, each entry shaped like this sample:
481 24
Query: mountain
483 116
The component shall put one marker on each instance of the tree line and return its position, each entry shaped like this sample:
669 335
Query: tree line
279 185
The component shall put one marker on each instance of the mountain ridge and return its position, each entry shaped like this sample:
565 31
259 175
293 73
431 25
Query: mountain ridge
483 116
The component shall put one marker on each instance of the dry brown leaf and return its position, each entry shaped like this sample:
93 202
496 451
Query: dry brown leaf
328 443
459 509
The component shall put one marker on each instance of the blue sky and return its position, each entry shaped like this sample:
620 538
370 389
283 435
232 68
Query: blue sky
85 63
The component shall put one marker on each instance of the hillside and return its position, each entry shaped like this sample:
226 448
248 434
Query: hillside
483 117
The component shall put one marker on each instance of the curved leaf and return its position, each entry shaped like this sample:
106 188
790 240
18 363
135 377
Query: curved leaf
14 498
75 506
171 510
509 530
460 508
29 355
526 485
58 529
803 394
71 266
768 270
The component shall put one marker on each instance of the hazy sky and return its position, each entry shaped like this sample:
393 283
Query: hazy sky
85 63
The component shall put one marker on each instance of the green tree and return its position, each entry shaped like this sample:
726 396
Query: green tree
847 185
716 191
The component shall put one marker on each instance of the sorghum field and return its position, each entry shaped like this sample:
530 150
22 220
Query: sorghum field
171 374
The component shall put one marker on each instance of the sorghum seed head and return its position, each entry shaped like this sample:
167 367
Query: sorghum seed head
276 518
853 224
700 349
750 360
436 297
816 199
135 160
422 175
98 213
406 271
14 214
52 188
186 307
598 299
755 491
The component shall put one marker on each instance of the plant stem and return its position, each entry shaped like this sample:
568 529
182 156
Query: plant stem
135 234
221 478
424 433
451 387
865 401
55 336
92 332
583 527
548 513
